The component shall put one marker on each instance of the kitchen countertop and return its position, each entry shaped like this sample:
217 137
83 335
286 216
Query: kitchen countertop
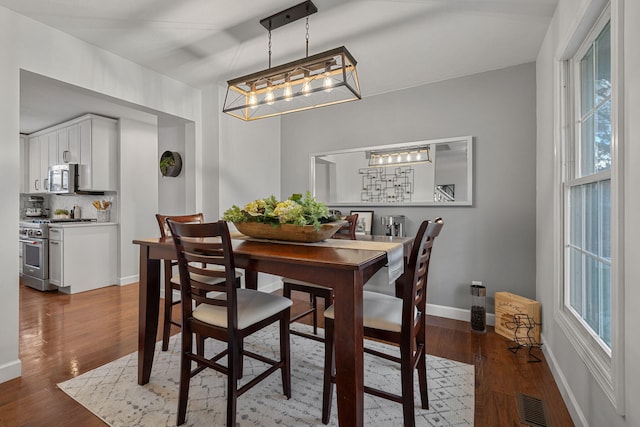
79 224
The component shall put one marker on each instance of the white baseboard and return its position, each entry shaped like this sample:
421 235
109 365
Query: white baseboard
269 283
129 280
456 313
10 370
567 395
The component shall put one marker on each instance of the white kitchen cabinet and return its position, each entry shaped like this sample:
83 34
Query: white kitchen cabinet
91 141
52 147
66 147
38 153
98 154
86 256
56 257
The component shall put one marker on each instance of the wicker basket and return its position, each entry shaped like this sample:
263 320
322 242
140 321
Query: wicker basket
289 232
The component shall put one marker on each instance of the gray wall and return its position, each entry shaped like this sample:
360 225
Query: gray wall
494 240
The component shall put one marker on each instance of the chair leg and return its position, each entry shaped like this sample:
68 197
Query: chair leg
234 357
314 305
406 376
285 355
329 369
168 305
200 345
185 378
422 379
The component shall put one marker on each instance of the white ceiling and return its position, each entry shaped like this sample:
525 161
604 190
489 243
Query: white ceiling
397 43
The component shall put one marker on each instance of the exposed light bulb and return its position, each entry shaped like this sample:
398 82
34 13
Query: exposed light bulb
306 87
253 100
269 95
399 158
327 83
287 91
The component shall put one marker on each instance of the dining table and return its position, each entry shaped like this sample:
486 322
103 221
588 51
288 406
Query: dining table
344 269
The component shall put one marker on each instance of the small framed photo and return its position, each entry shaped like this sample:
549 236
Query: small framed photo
365 220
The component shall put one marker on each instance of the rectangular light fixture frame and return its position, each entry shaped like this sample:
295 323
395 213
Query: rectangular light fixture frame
319 80
408 156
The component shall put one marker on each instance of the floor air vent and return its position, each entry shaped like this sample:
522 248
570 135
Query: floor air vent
533 411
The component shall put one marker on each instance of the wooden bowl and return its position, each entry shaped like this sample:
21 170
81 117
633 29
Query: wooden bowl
289 232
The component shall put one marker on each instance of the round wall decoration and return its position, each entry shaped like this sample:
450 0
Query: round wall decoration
170 163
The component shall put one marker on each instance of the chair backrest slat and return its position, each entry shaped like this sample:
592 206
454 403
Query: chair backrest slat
189 218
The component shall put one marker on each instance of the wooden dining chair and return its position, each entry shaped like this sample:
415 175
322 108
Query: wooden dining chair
347 231
171 282
206 265
400 321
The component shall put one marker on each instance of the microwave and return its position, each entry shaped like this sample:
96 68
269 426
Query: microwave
63 178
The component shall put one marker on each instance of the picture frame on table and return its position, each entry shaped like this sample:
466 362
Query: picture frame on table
365 220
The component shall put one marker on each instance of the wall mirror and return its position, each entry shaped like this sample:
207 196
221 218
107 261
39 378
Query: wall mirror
434 172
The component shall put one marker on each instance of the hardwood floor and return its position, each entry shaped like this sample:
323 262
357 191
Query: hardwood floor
62 336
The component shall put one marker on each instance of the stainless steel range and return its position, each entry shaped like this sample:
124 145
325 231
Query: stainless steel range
34 239
34 242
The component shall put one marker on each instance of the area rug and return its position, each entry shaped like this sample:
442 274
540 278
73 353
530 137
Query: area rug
111 391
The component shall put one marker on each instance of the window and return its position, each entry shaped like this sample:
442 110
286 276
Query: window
588 190
589 299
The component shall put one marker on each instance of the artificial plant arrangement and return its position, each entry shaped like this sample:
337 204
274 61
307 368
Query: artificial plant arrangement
297 209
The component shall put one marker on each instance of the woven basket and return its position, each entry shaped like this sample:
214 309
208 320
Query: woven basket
289 232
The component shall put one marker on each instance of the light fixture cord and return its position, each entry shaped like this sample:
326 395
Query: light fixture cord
307 36
269 47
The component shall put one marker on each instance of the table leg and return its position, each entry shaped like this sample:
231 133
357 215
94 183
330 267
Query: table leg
250 279
148 308
349 350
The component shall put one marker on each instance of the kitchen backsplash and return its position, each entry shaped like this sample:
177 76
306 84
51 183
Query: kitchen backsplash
87 210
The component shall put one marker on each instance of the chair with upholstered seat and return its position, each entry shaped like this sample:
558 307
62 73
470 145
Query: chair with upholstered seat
220 310
171 282
348 231
399 321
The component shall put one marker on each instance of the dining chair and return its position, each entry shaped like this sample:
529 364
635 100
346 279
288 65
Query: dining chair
347 231
171 282
399 321
214 307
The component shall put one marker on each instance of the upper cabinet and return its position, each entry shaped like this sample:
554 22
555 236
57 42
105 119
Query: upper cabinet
90 141
98 154
37 164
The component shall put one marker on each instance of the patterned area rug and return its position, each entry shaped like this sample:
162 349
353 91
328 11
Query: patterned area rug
111 391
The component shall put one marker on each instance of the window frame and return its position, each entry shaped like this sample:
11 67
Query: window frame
606 365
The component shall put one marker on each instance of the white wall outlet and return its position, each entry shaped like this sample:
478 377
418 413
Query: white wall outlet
476 283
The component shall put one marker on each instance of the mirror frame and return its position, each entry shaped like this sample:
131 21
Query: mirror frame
467 202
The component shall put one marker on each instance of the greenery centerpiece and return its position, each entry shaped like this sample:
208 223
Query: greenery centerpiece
299 218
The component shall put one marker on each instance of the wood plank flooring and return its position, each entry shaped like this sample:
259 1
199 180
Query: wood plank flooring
62 336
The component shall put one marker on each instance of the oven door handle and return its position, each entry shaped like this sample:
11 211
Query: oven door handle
33 241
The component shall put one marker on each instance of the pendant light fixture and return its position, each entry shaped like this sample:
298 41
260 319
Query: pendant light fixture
319 80
410 155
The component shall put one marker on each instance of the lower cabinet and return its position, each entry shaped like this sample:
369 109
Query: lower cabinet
56 257
83 257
